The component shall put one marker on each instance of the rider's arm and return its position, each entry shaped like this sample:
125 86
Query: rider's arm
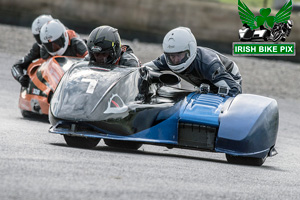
18 74
33 54
221 78
79 46
22 64
230 67
158 64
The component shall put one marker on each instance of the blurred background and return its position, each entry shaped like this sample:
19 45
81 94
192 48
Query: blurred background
215 23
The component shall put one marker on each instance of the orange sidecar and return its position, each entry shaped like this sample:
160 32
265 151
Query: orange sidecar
44 76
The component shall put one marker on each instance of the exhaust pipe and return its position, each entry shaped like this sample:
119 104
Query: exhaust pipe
164 78
272 152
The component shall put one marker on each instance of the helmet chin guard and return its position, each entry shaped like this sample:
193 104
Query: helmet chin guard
177 41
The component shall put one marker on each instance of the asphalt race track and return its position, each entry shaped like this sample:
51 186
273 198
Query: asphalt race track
35 164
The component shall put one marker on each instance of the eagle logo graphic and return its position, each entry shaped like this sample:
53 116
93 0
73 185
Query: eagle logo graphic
273 28
264 19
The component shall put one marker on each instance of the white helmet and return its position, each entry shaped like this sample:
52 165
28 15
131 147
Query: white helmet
54 37
180 48
37 25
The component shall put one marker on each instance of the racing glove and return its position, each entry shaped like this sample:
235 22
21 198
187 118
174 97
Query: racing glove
24 80
17 71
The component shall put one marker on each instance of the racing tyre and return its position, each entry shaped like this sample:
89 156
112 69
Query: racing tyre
245 160
123 144
81 142
27 114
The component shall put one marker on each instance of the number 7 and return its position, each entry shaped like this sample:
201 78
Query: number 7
91 86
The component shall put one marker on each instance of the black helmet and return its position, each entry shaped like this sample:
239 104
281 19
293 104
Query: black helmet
105 39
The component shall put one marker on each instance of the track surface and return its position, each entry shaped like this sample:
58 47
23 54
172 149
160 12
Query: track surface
35 164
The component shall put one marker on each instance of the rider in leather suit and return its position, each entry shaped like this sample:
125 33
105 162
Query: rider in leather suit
61 42
197 65
34 53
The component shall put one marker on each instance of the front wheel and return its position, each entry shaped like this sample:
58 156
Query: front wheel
123 144
35 116
245 160
27 114
81 142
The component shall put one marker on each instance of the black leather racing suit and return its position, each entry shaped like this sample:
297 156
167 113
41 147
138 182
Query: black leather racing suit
128 58
22 64
76 48
208 67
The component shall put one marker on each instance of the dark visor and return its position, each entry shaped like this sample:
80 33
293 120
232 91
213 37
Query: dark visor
102 46
97 49
55 45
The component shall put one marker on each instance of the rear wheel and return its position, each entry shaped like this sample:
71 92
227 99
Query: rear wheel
245 160
123 144
81 142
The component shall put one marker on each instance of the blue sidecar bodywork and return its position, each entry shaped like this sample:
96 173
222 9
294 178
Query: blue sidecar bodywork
116 104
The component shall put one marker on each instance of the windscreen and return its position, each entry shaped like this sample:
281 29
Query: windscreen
92 93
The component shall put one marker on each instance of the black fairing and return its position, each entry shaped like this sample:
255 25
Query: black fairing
118 100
